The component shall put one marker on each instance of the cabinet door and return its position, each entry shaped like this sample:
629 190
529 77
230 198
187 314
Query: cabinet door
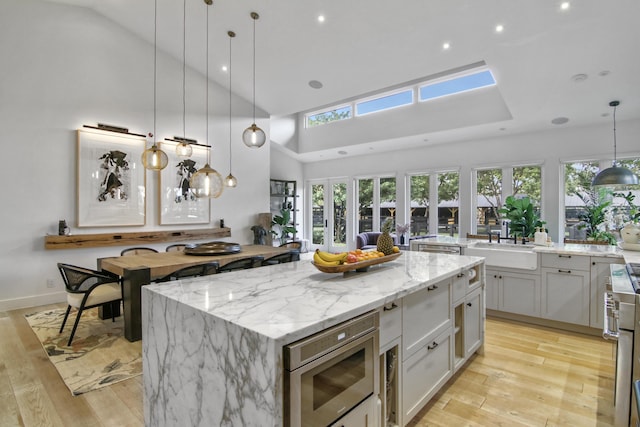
459 286
473 322
425 314
600 271
519 293
424 372
390 322
492 289
566 295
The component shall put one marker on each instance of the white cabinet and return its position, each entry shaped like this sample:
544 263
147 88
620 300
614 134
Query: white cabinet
599 273
513 292
390 322
424 372
566 293
473 322
425 314
363 415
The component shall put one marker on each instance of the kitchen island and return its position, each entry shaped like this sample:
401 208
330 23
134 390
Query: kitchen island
212 346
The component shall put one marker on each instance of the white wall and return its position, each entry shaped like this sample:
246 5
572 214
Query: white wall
62 67
548 147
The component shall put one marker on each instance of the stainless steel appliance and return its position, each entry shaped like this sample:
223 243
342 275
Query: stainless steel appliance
436 248
330 373
622 308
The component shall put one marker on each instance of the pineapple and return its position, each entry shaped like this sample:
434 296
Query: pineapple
385 241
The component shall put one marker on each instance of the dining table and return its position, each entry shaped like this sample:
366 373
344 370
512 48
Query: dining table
136 271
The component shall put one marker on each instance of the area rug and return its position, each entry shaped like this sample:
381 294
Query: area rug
99 354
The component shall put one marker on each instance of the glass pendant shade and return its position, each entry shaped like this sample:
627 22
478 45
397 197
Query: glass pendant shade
154 158
230 181
206 183
184 150
615 176
254 137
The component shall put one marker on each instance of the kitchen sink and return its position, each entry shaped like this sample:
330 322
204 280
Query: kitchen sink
505 254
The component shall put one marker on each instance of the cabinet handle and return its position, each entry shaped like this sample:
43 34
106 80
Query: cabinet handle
499 277
564 271
564 256
432 346
432 288
393 305
495 276
469 304
460 275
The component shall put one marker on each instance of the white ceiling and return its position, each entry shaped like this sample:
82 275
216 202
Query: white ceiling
366 45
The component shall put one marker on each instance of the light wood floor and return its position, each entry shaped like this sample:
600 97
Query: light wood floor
529 375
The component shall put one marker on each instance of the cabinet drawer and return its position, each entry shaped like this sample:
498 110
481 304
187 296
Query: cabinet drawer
390 322
566 262
425 314
424 372
459 286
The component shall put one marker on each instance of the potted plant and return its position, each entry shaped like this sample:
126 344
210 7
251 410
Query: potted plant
594 217
630 233
523 216
283 225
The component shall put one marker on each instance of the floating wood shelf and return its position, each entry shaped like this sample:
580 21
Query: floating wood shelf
77 241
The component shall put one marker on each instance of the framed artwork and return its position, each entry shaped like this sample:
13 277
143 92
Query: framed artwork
110 179
178 205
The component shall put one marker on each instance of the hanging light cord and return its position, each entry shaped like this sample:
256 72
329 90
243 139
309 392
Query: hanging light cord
230 38
184 68
254 70
155 66
615 162
207 94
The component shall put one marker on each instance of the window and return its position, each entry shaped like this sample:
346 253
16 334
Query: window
365 205
338 113
527 182
419 204
489 196
385 102
457 85
448 203
387 199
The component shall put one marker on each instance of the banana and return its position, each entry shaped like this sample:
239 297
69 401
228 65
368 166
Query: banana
317 259
326 256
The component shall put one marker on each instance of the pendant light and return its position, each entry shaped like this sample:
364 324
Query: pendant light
615 176
230 180
154 158
253 136
183 149
207 182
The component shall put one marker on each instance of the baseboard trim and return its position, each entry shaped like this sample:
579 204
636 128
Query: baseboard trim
32 301
545 322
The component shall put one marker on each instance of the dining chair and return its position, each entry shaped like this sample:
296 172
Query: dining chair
203 269
86 289
137 251
178 247
242 264
296 244
292 255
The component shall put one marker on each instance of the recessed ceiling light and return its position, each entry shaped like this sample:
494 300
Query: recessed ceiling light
342 152
224 68
559 120
499 28
604 73
579 77
320 18
315 84
565 5
446 45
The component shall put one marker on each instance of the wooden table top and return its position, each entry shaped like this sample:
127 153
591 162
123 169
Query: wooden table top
163 263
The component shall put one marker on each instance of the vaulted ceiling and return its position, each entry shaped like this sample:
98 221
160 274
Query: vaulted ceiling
549 62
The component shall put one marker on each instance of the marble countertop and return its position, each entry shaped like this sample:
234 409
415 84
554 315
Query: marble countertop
289 301
557 248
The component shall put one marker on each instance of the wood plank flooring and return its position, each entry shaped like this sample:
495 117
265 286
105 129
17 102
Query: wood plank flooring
528 376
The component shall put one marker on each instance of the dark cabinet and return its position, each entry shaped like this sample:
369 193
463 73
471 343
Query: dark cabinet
284 199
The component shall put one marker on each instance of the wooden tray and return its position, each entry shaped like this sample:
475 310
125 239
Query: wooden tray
357 266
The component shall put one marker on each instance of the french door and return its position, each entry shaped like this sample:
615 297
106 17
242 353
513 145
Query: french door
328 211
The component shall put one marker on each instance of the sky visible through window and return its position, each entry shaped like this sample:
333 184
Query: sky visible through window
457 85
385 102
